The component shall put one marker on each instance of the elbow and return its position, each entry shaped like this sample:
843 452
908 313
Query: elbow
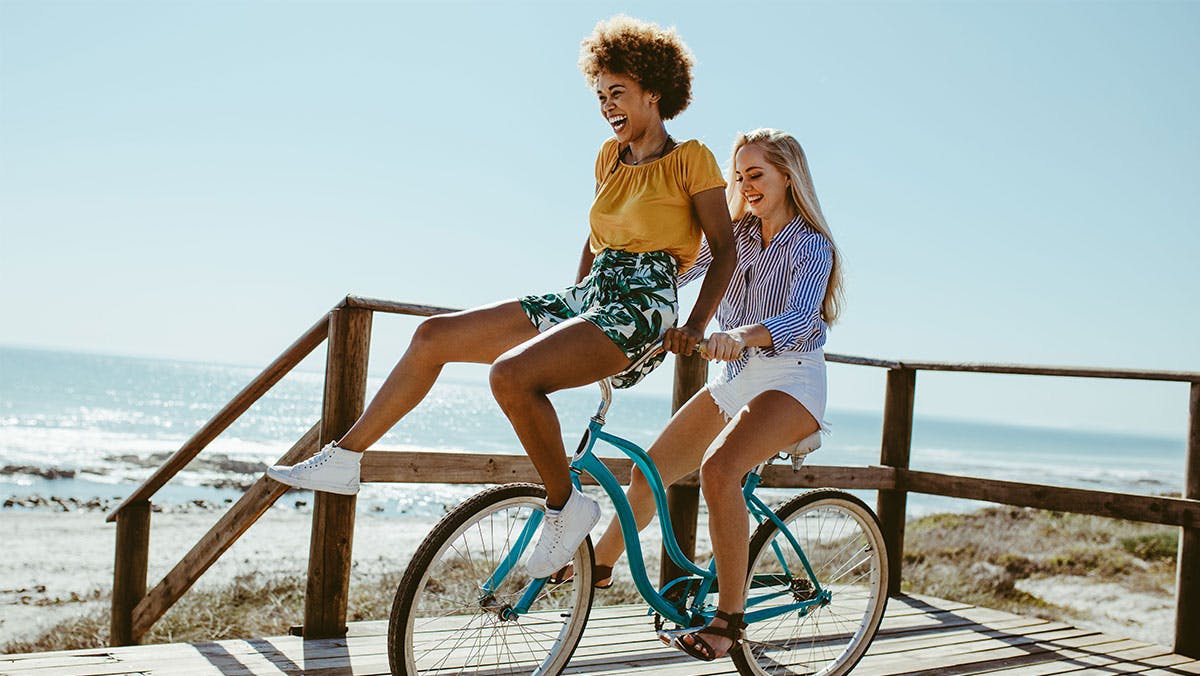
724 254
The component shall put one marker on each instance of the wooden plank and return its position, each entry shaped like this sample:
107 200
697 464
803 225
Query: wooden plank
1018 369
1145 508
1117 658
895 447
464 468
1067 371
382 466
862 361
257 499
922 635
329 551
394 307
129 570
874 477
273 373
1187 579
977 656
1106 657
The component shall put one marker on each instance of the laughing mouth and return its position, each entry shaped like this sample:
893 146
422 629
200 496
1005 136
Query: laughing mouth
618 122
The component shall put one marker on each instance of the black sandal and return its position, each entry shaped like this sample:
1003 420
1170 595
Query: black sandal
567 573
700 649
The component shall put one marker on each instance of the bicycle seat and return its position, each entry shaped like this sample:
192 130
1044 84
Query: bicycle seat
800 450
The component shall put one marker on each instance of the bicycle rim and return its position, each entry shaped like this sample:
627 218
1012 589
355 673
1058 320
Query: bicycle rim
439 624
844 545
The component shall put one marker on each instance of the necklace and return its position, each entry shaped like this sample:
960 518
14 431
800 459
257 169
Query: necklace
667 145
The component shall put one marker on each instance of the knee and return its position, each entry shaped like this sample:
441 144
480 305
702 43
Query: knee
718 472
429 335
638 485
507 380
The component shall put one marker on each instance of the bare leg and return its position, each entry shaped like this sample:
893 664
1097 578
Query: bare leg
479 336
771 421
572 354
676 452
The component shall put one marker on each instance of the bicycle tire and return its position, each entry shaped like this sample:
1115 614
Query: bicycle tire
438 624
841 537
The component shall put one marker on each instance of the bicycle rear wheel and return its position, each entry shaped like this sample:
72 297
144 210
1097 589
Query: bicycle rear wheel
844 545
444 622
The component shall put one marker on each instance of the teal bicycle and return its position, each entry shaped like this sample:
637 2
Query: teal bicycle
815 593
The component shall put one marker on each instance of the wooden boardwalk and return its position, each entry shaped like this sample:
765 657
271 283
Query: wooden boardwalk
920 635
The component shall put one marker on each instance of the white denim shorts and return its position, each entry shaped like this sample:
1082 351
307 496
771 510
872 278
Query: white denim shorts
800 375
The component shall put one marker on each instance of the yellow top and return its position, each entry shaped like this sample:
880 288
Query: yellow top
648 207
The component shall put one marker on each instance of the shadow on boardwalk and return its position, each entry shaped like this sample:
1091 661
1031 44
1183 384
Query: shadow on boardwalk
919 635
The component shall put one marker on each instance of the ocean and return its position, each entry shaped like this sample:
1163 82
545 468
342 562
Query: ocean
85 427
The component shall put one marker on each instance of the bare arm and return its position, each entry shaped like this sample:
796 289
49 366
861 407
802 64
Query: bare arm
718 231
585 262
586 259
728 345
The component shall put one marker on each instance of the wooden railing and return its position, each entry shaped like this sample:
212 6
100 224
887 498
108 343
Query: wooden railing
347 328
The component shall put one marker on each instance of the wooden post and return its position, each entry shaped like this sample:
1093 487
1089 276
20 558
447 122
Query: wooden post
1187 588
129 570
333 515
683 502
894 452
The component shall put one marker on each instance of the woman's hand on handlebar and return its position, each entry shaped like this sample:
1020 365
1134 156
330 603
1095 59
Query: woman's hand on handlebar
682 340
723 346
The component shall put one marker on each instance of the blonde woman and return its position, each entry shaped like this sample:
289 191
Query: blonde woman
655 196
770 395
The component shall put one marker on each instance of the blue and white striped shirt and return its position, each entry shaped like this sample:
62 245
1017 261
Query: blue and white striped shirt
781 287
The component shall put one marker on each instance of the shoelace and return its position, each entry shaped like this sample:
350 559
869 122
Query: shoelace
316 461
556 530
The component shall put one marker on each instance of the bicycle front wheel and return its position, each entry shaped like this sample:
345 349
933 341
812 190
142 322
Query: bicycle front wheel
453 614
843 543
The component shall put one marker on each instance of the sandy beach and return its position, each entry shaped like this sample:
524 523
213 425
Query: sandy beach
61 564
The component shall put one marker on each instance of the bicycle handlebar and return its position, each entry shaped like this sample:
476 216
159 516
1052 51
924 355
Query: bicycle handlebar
651 352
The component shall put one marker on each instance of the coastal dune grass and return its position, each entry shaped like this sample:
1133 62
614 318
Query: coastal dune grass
979 558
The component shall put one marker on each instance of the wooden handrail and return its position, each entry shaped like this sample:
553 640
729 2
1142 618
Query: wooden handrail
490 468
1065 371
1018 369
226 531
394 307
272 374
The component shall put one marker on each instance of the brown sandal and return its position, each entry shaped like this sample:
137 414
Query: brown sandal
567 573
694 644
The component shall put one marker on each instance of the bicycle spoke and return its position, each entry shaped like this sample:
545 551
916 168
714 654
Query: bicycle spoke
843 547
445 623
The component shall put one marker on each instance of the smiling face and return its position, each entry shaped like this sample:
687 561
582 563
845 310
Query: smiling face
764 187
628 108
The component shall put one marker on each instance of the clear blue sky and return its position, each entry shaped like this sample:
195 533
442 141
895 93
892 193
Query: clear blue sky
1012 182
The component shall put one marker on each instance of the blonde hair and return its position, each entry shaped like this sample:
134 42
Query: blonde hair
785 154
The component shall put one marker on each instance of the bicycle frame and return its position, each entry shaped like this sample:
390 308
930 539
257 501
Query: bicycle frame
585 461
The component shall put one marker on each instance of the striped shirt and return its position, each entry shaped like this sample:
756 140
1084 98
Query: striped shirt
781 287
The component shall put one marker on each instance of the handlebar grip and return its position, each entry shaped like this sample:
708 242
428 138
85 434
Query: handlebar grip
701 348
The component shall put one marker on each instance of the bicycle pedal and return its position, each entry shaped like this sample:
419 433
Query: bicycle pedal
668 636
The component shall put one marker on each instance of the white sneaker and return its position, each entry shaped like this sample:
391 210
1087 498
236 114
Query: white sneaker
332 469
562 534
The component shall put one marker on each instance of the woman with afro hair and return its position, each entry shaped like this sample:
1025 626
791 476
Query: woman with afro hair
655 198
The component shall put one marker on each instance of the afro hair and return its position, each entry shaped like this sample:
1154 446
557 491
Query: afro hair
656 58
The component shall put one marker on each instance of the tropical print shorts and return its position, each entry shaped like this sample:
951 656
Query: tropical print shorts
631 297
